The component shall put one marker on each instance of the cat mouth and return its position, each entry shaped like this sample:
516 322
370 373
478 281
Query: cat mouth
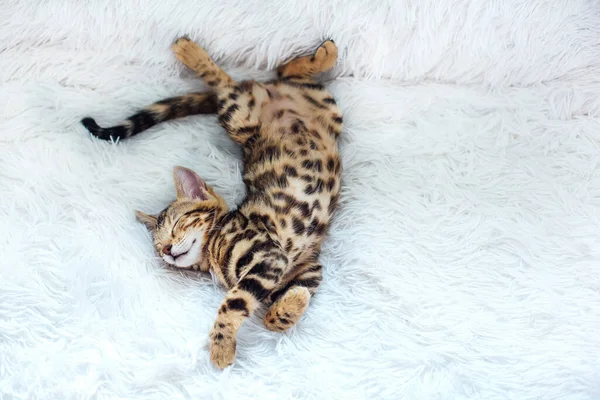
179 256
176 256
182 253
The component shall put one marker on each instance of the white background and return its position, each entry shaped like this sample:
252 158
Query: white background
464 259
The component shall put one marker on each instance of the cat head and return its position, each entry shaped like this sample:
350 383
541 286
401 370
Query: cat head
179 231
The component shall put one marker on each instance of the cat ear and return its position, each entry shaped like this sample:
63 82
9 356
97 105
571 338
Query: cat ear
148 220
189 185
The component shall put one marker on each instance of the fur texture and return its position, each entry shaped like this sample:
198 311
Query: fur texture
463 262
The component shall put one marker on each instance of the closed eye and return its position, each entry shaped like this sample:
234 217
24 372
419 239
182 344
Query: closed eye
175 226
200 209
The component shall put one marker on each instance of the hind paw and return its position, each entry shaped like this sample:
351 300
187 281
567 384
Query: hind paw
326 55
190 53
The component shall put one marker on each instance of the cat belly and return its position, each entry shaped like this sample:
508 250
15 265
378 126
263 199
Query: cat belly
281 109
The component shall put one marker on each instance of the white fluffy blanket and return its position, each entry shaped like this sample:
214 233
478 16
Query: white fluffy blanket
465 258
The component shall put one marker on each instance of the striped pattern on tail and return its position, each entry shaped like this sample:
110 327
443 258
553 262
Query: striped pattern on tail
164 110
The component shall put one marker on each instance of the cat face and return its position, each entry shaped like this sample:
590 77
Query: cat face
180 230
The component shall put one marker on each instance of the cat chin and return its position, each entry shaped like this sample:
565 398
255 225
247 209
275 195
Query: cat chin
184 265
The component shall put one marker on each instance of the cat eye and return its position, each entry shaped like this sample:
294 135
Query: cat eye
175 225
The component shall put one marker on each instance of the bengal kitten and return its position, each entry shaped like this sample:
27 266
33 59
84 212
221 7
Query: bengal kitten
267 250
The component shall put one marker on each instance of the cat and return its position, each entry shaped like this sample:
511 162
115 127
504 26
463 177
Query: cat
267 250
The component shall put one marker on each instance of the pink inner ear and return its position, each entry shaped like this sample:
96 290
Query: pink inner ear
190 184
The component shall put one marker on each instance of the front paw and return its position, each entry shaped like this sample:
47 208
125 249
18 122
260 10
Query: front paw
222 349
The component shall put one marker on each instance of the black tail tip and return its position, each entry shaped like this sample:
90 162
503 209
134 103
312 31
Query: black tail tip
97 131
91 125
108 134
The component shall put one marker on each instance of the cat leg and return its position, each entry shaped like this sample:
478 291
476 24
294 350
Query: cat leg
237 106
302 67
241 301
291 301
197 59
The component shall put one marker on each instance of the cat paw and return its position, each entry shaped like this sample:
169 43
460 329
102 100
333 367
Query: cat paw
189 53
222 349
286 311
184 37
326 55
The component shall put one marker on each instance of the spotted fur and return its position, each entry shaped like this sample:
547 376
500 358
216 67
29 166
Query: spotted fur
267 250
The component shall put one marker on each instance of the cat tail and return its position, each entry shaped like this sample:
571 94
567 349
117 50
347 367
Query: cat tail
163 110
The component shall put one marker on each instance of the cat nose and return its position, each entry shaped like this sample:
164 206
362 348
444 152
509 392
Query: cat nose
167 249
